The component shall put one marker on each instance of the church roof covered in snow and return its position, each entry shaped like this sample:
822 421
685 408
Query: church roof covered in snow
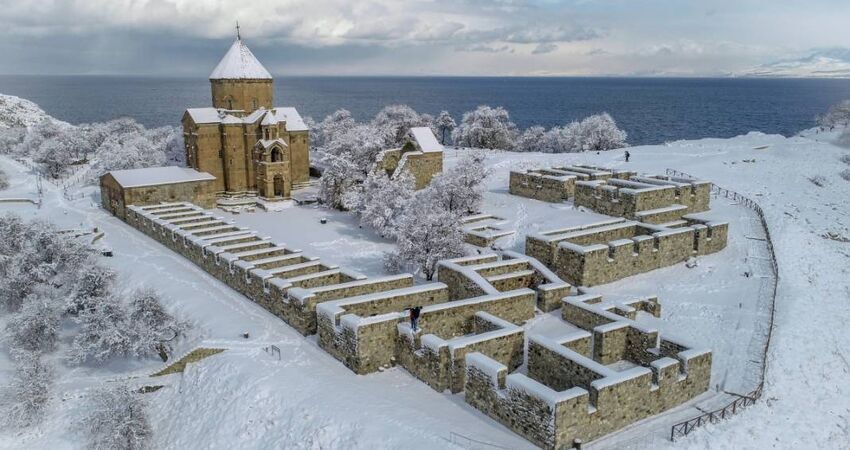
158 175
273 116
425 139
239 64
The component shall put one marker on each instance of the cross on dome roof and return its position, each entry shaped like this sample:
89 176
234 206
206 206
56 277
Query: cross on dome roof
239 64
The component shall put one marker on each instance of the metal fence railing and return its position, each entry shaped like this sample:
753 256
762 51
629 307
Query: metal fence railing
682 429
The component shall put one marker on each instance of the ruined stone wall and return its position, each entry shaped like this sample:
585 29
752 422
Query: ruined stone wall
572 384
598 255
542 185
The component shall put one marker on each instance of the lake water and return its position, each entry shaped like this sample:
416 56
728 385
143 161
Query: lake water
651 110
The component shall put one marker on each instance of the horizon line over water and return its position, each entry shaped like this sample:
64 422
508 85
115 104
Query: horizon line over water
651 109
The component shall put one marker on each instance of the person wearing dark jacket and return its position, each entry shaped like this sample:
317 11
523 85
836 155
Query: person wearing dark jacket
414 317
628 155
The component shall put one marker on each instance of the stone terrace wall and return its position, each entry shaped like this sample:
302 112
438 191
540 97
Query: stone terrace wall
441 363
488 274
611 250
569 394
365 343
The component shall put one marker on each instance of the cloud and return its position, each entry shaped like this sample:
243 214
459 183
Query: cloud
424 36
544 48
484 48
821 63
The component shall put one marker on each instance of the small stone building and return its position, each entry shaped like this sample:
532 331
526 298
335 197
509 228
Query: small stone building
421 156
122 188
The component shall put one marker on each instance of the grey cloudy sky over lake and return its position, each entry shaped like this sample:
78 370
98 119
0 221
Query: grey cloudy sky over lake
430 37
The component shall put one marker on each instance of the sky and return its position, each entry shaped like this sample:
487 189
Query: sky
431 37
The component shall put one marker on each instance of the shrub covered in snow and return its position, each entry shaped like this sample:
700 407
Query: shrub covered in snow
486 127
117 419
845 159
845 174
837 116
4 180
154 330
26 397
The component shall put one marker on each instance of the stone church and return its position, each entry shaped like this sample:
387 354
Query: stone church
250 146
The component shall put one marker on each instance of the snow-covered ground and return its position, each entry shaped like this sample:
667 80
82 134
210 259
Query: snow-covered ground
246 398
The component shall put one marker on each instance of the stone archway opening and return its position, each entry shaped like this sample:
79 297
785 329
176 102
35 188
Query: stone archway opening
278 186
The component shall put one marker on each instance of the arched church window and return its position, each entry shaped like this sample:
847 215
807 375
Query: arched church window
229 103
276 155
254 104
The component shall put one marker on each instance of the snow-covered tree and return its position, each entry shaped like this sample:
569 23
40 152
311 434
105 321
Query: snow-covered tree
10 139
460 189
385 200
154 329
104 333
35 327
26 397
92 283
35 253
128 151
335 124
394 122
53 157
486 127
600 132
837 116
427 234
338 178
445 124
532 139
117 419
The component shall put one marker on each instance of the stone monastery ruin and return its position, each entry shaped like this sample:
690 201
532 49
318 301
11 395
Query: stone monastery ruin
659 224
605 372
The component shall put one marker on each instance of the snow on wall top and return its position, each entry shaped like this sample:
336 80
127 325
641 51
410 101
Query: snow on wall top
426 139
158 175
239 64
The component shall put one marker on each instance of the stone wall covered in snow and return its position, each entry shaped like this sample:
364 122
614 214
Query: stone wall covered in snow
606 251
591 382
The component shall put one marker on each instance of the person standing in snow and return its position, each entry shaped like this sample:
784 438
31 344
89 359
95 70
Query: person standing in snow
414 317
627 155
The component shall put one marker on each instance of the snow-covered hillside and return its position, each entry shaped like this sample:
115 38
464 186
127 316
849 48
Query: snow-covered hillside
18 112
247 398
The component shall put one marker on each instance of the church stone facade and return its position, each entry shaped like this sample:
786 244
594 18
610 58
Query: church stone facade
249 145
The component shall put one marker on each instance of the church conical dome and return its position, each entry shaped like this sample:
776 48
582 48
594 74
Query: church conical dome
239 64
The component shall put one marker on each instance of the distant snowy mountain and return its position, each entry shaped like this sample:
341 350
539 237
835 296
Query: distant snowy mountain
17 112
828 63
